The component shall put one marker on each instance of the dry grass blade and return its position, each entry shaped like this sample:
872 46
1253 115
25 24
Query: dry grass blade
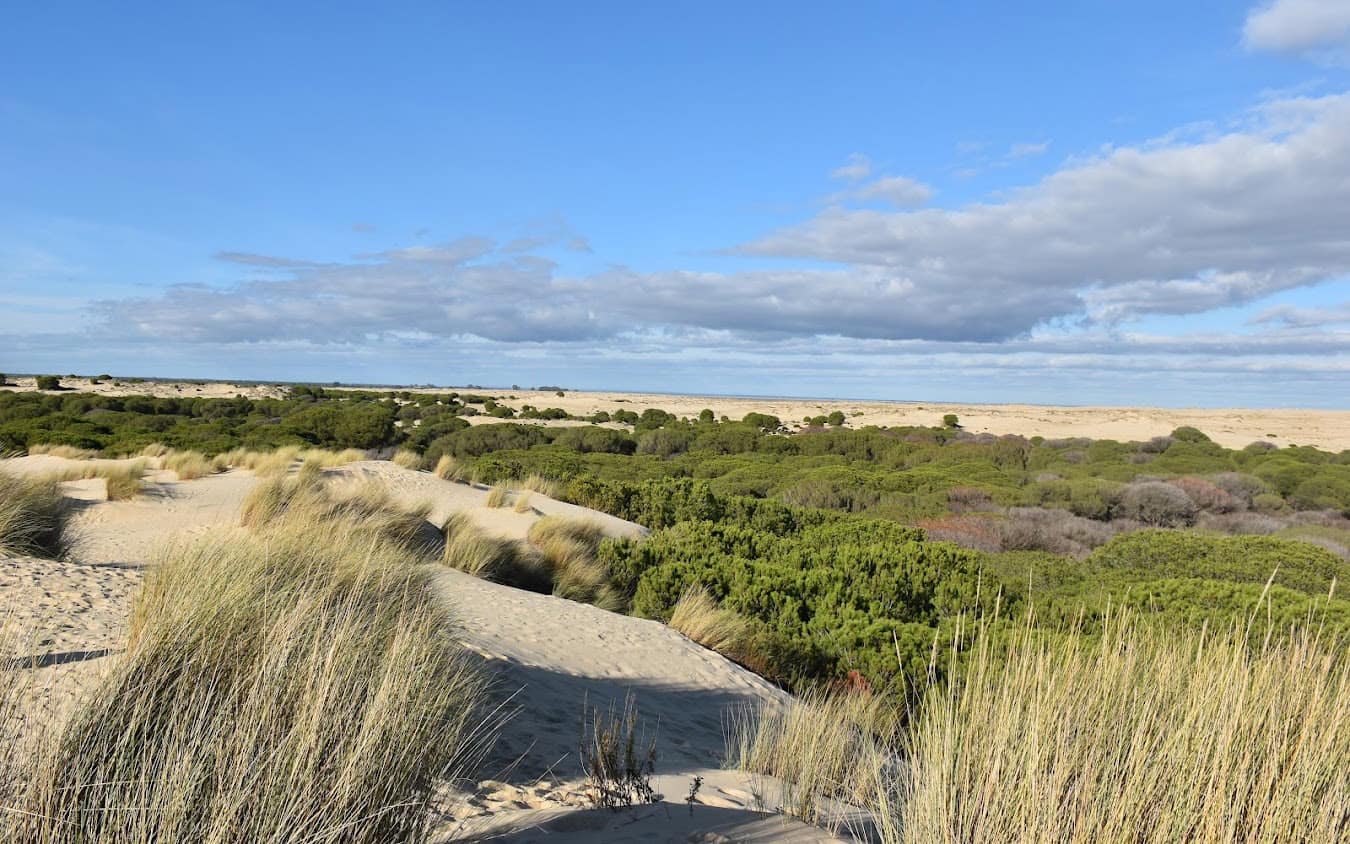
33 515
698 616
822 747
499 496
1143 735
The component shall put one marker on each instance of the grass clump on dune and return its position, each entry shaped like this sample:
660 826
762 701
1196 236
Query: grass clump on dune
122 480
698 616
1183 736
69 452
822 746
367 502
408 459
189 465
1141 733
470 549
570 548
33 515
293 683
449 469
499 496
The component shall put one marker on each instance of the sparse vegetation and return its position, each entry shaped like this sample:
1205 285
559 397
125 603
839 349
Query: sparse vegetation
188 465
499 496
698 616
618 756
294 683
33 516
408 459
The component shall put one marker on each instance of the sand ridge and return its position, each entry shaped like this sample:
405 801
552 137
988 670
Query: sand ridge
548 655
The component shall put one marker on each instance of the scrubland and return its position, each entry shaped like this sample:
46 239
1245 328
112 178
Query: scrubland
991 638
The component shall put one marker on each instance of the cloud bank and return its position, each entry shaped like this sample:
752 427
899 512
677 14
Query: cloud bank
1171 227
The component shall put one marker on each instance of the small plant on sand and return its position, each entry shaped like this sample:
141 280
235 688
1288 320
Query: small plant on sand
449 469
541 485
499 496
48 382
698 616
33 516
469 549
570 550
408 459
123 481
522 504
189 465
618 757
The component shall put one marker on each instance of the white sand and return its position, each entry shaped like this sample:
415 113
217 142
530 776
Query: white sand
547 654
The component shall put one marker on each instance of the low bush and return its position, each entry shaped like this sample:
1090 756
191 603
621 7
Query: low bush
1158 504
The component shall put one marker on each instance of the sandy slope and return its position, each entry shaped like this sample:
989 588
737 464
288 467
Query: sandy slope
548 656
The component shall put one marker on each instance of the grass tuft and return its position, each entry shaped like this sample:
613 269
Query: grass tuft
499 496
33 515
189 465
69 452
408 459
291 684
698 616
449 469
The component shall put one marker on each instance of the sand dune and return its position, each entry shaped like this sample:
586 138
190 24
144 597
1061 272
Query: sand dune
548 656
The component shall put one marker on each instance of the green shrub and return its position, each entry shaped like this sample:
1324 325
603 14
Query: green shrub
48 382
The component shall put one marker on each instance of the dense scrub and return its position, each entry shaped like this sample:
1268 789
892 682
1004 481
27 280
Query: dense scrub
833 596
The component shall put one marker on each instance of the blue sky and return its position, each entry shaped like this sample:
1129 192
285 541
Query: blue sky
1139 203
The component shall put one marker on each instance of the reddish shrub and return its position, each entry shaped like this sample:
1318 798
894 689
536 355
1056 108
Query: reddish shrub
1207 496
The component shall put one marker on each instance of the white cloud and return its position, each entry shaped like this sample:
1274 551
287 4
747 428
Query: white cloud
1037 282
1298 26
858 167
900 191
1173 226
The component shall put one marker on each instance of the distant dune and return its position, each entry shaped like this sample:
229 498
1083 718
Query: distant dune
1230 427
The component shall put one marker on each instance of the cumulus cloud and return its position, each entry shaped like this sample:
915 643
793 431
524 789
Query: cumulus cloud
1172 226
1299 26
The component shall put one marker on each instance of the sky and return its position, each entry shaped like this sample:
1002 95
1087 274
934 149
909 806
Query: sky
1139 203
